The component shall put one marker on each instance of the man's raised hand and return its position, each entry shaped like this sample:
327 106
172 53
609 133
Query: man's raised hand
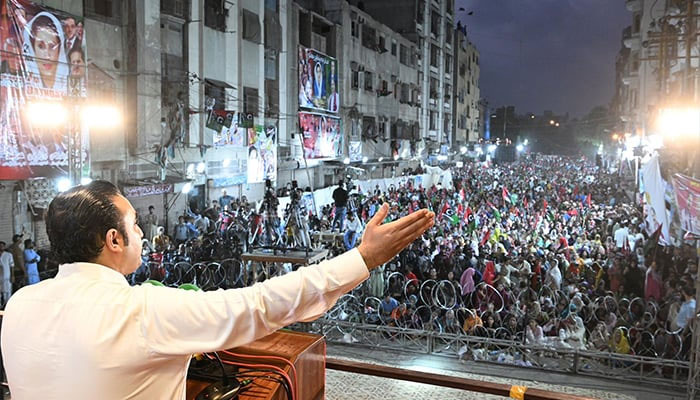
381 242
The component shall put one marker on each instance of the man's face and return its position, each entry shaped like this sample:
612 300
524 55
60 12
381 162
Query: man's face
132 252
2 247
69 28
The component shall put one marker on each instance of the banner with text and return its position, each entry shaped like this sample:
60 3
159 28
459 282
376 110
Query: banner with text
42 59
262 153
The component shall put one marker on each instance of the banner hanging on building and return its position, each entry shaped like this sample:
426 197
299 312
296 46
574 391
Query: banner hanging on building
226 132
318 81
687 192
42 59
322 135
262 153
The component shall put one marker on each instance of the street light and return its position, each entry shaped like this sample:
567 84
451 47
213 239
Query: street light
551 122
557 124
679 122
47 114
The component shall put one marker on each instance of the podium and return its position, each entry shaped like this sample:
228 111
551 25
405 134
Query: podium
306 351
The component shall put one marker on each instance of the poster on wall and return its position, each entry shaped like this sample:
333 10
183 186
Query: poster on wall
322 135
355 150
687 192
226 132
42 60
262 153
318 81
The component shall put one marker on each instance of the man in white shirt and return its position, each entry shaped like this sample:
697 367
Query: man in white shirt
353 228
6 265
621 236
87 334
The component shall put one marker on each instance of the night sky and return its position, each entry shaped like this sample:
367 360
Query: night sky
567 62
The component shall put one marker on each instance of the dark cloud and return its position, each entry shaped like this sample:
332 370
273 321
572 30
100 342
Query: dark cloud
546 54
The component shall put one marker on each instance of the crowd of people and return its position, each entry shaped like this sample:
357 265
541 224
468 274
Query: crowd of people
547 251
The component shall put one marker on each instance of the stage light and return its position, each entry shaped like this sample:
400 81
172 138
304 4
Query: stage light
63 184
47 114
101 116
186 187
520 148
526 142
677 122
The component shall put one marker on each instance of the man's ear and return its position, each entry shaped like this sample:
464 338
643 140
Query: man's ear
112 239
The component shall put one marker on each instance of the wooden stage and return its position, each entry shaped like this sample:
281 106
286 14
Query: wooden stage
290 256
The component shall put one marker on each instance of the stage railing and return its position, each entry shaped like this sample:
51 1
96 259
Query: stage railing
621 367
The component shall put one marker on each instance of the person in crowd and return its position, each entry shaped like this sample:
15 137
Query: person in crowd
6 266
161 241
225 199
108 329
181 231
388 305
31 262
353 228
150 222
687 310
19 271
340 198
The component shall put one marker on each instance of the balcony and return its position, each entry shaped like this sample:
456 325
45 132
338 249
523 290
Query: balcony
633 5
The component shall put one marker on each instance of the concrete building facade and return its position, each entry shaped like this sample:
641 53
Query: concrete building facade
467 95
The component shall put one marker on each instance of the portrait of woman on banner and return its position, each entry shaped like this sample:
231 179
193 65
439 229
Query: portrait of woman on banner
44 53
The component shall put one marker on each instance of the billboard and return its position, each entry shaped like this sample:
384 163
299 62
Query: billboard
687 192
322 135
42 59
318 81
262 153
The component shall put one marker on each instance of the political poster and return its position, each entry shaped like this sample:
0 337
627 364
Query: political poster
262 153
42 60
226 132
322 135
318 81
355 150
687 192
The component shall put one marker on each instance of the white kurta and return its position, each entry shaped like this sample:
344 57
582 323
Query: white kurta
87 334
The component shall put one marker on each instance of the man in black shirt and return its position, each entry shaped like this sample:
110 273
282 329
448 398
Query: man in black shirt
340 197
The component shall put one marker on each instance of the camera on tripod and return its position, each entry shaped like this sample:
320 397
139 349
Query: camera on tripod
295 193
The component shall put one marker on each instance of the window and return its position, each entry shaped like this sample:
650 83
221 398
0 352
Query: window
434 54
448 92
433 88
405 93
462 123
448 63
446 122
433 120
251 27
382 44
369 38
109 11
355 80
215 14
216 92
420 12
393 47
448 32
271 5
368 81
354 29
176 8
462 69
250 99
403 55
434 24
270 65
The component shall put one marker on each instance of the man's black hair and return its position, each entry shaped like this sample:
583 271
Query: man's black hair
78 220
688 290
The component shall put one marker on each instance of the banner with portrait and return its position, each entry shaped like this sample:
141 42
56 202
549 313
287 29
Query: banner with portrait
355 150
322 135
318 81
687 192
262 153
226 131
42 60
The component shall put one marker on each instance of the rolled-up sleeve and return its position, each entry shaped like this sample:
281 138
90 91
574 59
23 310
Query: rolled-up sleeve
184 322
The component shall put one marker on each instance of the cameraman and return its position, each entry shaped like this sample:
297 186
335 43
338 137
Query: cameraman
340 197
